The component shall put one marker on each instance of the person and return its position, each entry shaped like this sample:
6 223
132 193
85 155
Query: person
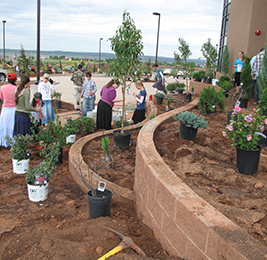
255 73
88 94
7 117
139 113
37 116
45 88
105 105
77 78
239 66
22 101
159 84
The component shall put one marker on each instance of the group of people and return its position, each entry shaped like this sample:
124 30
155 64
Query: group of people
16 108
85 87
255 63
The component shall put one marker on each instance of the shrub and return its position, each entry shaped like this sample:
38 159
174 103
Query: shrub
191 120
198 75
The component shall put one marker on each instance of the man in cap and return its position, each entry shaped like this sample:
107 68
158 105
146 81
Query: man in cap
45 87
77 79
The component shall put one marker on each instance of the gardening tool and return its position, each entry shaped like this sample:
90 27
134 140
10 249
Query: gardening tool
125 243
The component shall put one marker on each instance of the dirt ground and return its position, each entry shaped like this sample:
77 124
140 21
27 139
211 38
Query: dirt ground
59 228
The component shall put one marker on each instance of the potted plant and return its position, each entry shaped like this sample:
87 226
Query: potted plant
225 83
210 98
180 88
245 133
263 110
127 46
57 97
246 84
189 124
87 125
20 152
168 104
159 96
199 75
192 91
109 158
172 86
99 198
71 128
38 178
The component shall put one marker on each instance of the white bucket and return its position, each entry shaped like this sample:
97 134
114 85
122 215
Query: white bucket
71 139
215 82
37 193
91 114
20 167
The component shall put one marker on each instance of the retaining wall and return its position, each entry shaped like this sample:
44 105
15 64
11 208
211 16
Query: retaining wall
185 224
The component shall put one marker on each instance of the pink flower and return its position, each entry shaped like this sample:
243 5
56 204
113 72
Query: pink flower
262 129
237 109
265 121
248 119
230 127
249 137
224 133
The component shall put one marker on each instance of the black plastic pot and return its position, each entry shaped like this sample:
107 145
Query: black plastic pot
263 141
159 100
60 156
99 206
58 104
247 161
188 97
187 133
208 81
122 141
180 92
243 102
229 114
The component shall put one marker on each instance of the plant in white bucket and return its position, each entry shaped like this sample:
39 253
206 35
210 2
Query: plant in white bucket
70 129
20 152
38 178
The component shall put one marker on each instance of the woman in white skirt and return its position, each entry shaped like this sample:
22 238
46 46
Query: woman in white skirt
7 116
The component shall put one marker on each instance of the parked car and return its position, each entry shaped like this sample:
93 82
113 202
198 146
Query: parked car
167 71
181 73
3 75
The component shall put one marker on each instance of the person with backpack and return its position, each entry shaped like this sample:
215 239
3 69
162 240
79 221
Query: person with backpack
77 78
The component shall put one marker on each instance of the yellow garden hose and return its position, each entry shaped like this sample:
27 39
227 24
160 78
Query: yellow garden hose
114 251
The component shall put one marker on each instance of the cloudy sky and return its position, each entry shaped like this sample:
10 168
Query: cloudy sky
77 25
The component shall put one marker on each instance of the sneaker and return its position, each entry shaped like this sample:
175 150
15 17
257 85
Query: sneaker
78 103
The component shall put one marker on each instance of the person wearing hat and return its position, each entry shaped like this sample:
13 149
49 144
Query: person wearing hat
8 109
45 88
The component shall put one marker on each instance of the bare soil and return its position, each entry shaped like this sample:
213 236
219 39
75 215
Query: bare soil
59 227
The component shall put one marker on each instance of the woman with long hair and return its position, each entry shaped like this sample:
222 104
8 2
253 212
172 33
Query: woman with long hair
239 66
22 101
105 105
8 109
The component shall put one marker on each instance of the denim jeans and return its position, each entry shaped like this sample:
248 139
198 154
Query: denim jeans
88 104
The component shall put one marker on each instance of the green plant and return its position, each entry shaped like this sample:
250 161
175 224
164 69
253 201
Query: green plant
223 79
169 102
192 89
226 85
118 123
159 95
152 116
57 96
245 131
199 75
262 77
263 103
109 158
87 125
246 80
72 126
180 86
127 45
47 166
209 52
209 98
19 146
190 119
225 60
172 86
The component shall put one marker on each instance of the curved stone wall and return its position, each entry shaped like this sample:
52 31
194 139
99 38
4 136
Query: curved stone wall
185 224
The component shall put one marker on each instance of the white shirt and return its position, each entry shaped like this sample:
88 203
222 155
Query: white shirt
45 90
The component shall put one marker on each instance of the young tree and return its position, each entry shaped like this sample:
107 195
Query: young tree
262 77
181 59
209 52
127 45
225 60
246 79
24 62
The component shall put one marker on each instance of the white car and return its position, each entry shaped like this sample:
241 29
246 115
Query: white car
167 71
3 75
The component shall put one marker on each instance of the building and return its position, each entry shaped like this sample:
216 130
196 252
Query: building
240 20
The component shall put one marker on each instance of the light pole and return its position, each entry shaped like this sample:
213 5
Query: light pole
99 52
157 36
38 40
4 44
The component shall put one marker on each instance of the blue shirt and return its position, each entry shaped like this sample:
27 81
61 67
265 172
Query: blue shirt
88 87
141 106
239 62
159 73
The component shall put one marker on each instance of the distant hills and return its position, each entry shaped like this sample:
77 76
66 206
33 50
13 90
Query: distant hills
92 55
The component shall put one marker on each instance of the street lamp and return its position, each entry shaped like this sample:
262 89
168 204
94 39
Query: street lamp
4 44
99 52
157 36
38 40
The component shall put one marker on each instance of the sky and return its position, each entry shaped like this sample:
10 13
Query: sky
78 25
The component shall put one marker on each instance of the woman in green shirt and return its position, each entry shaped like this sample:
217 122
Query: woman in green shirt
23 108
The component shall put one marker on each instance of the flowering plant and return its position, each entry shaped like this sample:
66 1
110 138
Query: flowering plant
19 146
246 130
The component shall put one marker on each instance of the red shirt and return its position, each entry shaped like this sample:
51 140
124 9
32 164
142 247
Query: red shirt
7 95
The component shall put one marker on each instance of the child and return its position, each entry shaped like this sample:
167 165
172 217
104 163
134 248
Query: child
36 116
159 85
139 113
